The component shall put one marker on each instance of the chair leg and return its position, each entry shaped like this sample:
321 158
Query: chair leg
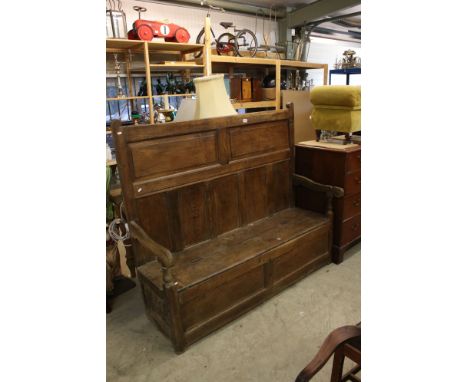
338 361
350 375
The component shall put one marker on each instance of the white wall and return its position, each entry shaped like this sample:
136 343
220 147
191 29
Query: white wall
326 51
193 18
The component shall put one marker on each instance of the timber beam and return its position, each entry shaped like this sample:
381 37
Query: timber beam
317 10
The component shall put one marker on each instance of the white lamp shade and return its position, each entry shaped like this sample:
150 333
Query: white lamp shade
212 98
186 110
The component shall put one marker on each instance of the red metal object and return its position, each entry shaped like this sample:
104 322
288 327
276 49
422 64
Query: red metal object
145 30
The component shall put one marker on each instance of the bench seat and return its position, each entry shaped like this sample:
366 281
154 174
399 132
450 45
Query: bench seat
202 261
212 213
226 276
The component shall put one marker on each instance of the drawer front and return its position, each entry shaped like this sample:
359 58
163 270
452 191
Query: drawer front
351 206
353 162
304 251
222 297
352 183
346 207
350 230
321 165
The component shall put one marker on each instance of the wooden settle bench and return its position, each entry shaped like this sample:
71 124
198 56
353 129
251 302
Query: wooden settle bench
215 229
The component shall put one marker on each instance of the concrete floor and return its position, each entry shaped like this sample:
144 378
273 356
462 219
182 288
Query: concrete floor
271 343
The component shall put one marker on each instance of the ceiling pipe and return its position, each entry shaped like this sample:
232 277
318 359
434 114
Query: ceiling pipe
227 5
328 31
313 27
347 24
314 24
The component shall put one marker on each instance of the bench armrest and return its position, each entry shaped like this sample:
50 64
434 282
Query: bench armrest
162 254
332 191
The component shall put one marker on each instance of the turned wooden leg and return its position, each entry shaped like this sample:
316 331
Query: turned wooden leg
177 331
337 255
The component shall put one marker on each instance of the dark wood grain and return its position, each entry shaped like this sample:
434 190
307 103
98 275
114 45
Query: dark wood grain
163 255
157 226
278 190
258 139
141 133
253 197
193 213
339 168
215 227
169 155
225 199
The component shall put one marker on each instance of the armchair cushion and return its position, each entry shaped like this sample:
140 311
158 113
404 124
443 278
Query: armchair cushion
336 108
341 96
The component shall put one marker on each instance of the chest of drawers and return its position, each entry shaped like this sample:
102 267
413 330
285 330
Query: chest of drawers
337 167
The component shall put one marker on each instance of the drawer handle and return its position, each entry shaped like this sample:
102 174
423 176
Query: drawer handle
355 226
358 180
356 203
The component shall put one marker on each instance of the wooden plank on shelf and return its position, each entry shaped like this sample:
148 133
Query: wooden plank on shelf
174 95
174 46
112 50
124 98
176 65
278 85
123 44
153 46
149 88
259 54
207 56
252 105
173 52
129 81
244 60
301 64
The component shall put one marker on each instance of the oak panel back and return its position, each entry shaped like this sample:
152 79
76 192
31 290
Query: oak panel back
190 181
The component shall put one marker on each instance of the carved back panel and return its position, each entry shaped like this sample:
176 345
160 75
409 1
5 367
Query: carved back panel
190 181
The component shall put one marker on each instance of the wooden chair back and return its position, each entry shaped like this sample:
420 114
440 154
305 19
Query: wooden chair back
344 342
